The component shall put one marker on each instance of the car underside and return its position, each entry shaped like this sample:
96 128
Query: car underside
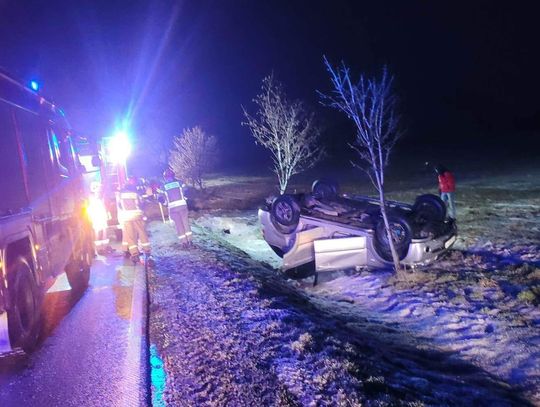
324 230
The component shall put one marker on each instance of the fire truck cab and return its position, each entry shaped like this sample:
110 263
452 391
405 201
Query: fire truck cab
44 230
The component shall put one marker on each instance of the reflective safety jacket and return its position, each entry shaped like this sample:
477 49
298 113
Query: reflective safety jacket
447 183
129 206
175 194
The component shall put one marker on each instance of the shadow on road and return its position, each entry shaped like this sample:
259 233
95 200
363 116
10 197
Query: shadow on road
57 305
55 308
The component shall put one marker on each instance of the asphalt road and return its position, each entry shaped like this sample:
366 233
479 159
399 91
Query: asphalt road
94 349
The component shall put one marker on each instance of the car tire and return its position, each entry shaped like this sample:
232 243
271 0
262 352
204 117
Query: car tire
325 189
285 213
402 233
24 316
429 208
78 269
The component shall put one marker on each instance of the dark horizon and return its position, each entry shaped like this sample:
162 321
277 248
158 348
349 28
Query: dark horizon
466 74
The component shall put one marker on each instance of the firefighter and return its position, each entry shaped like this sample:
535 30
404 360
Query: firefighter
132 217
178 210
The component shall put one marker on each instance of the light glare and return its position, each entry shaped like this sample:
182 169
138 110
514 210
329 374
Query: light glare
119 147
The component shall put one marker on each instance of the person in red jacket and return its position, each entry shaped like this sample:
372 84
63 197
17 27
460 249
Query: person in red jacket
447 188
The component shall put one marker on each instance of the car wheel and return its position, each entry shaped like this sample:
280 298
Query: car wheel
429 208
78 270
24 316
401 231
325 189
285 213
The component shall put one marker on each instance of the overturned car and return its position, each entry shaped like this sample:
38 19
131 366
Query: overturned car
324 230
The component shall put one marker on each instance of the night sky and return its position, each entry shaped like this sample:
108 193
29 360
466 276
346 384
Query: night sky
467 73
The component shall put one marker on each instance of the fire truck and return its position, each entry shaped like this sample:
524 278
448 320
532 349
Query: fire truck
106 174
44 227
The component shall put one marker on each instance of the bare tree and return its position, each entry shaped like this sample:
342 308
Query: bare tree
285 128
371 105
194 153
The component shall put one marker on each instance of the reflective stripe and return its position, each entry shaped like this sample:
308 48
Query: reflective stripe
171 185
99 242
133 247
181 236
129 205
189 233
128 195
177 203
145 244
126 216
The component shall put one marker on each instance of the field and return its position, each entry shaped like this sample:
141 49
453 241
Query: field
477 306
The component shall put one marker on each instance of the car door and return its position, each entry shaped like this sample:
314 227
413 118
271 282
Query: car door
340 253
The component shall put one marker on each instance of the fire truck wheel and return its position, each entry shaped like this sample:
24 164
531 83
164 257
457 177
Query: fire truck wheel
24 317
78 270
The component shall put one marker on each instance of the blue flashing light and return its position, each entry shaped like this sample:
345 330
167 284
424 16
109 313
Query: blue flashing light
158 377
34 85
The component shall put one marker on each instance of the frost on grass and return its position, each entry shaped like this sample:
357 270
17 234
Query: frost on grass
224 336
479 303
303 343
231 331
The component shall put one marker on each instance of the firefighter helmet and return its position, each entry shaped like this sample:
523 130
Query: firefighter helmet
168 175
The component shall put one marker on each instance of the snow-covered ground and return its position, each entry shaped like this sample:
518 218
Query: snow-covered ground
479 303
232 330
229 330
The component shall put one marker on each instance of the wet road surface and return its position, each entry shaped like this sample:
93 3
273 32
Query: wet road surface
93 350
